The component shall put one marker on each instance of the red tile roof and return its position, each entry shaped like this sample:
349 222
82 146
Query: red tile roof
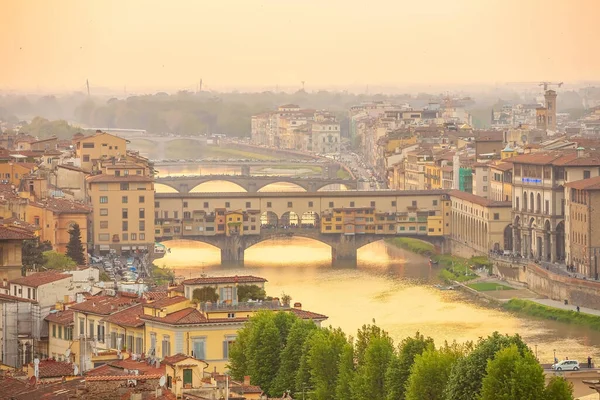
40 278
585 184
155 295
52 369
72 168
128 317
122 377
63 206
111 178
19 224
505 166
104 305
560 158
224 279
186 316
167 301
14 233
303 314
61 317
482 201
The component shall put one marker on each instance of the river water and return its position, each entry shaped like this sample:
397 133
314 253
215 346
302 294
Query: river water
390 286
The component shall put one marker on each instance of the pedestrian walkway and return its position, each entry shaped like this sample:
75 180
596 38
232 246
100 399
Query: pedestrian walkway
562 306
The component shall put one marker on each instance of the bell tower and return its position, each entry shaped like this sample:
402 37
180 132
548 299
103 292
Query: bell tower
550 97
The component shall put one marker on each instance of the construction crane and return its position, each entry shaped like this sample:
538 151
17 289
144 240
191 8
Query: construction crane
546 84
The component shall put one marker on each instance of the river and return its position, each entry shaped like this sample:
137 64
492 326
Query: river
391 286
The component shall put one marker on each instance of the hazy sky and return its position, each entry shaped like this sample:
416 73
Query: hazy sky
160 44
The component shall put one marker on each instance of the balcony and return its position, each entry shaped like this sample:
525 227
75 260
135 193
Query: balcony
244 306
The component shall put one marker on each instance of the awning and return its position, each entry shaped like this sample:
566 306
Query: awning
104 247
125 248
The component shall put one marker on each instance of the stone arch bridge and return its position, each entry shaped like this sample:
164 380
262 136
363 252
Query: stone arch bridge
344 248
252 184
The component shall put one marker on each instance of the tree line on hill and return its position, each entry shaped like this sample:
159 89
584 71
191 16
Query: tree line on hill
282 353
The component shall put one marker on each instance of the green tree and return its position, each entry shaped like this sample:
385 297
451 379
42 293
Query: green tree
205 294
289 362
370 376
238 360
75 248
323 361
467 374
54 260
430 372
284 322
250 292
263 352
559 388
511 375
346 374
32 253
162 275
363 338
399 368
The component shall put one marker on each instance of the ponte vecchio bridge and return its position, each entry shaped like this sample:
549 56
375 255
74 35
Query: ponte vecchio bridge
345 220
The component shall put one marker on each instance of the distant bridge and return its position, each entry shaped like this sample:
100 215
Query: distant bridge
184 184
268 215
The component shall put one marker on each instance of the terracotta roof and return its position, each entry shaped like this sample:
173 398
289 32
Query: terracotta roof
155 295
40 278
72 168
585 184
14 233
45 140
128 317
63 206
560 158
118 367
505 166
18 223
20 390
167 301
239 387
224 279
61 317
186 316
303 314
122 377
103 305
52 369
482 201
111 178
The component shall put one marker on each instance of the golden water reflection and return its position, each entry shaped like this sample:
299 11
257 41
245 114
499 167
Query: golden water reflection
389 285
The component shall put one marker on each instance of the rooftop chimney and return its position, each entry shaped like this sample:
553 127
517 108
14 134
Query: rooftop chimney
246 380
298 306
580 152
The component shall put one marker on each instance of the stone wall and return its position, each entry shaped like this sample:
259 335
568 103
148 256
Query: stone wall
461 249
115 389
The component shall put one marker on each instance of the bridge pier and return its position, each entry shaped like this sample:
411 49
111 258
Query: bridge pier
232 250
245 170
344 251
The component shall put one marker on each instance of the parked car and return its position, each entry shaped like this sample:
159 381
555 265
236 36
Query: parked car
566 365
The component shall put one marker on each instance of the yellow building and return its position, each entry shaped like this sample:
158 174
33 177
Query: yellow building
207 331
501 181
60 334
123 211
126 325
99 146
11 244
183 373
13 172
433 176
481 223
234 223
54 217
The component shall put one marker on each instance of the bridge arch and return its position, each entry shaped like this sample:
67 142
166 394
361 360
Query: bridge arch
295 185
234 185
333 187
310 219
289 219
269 219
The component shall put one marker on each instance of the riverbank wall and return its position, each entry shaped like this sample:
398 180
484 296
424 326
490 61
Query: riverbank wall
554 286
461 249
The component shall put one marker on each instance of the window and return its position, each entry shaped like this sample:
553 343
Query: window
29 293
187 377
124 213
53 330
117 173
68 333
328 228
547 207
142 199
310 204
372 204
185 204
125 237
104 237
289 204
125 186
81 326
338 227
142 227
331 204
414 203
496 216
199 349
435 202
142 213
485 178
586 174
139 345
157 204
186 215
88 145
142 236
129 346
393 203
205 204
133 236
227 204
124 199
175 214
33 293
351 204
36 221
103 199
86 158
91 331
124 226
